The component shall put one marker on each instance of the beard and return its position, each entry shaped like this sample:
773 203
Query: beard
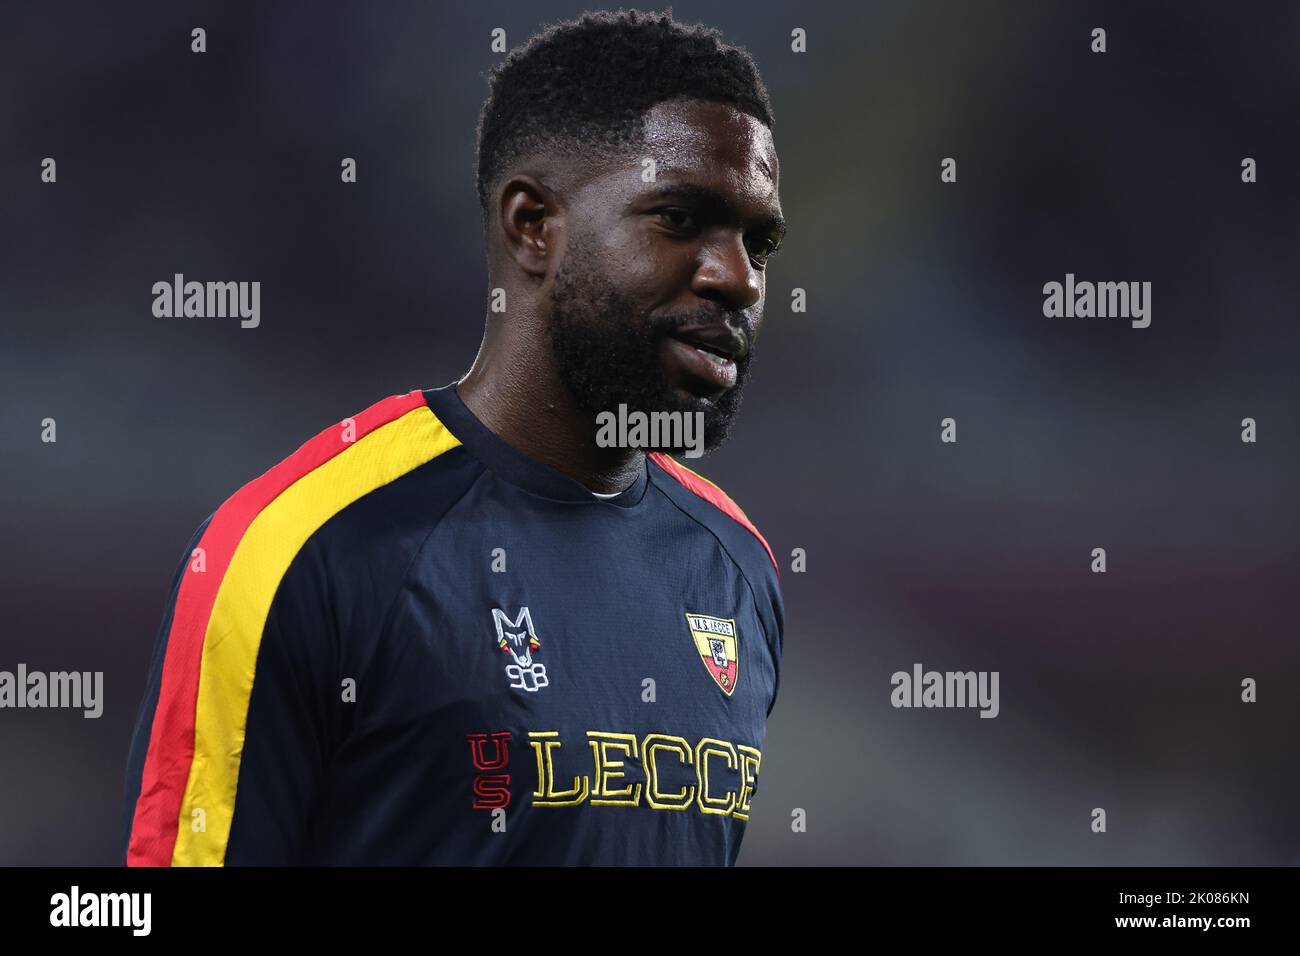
608 353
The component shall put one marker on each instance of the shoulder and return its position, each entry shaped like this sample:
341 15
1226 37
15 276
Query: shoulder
714 508
345 491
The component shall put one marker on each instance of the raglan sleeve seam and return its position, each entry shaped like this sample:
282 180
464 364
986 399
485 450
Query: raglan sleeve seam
774 650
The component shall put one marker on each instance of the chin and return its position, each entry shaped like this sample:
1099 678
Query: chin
685 400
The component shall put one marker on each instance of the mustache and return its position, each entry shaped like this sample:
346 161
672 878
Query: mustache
741 322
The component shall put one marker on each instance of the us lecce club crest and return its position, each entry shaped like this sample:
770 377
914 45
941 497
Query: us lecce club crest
716 640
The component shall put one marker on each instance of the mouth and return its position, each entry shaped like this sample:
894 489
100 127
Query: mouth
702 360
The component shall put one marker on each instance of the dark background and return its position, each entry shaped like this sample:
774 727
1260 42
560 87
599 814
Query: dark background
1118 690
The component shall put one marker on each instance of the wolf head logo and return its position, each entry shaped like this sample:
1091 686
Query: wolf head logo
517 638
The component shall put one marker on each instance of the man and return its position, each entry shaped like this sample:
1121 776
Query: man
458 628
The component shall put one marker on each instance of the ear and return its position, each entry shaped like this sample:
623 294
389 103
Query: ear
532 223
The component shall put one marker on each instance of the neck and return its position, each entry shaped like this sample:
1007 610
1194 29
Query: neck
520 397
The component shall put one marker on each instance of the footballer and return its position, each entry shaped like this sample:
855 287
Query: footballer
455 628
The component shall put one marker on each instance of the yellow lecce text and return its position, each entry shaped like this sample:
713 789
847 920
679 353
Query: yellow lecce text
673 774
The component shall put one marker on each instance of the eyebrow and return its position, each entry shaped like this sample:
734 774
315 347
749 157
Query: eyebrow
714 201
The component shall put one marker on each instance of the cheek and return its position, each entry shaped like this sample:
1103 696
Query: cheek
660 269
757 309
650 269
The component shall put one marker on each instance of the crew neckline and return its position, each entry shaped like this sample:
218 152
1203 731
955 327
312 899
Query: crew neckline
517 468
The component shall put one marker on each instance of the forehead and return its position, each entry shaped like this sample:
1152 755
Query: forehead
712 143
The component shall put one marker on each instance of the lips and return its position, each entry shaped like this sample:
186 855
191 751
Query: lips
718 341
703 358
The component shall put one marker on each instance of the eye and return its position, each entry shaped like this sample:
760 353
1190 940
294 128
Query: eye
677 217
765 249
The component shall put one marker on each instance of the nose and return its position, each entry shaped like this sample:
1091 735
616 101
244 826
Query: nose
725 274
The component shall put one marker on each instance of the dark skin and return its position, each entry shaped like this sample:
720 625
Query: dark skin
698 235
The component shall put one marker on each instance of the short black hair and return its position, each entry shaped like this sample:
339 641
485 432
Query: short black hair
583 86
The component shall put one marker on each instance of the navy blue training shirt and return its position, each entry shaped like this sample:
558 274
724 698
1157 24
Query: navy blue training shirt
409 643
